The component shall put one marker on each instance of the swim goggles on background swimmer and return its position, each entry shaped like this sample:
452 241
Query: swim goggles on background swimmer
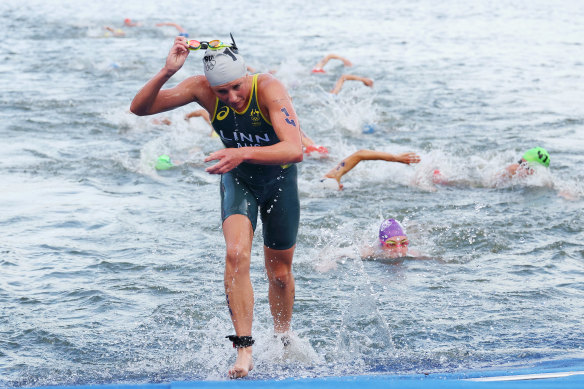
215 44
392 243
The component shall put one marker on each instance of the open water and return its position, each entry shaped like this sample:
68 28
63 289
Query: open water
111 272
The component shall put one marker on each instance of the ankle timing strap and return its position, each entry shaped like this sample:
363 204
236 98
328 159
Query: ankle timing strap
241 341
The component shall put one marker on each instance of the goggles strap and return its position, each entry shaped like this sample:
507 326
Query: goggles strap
233 42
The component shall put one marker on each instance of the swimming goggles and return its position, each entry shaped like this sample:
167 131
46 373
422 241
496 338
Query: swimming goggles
392 243
215 44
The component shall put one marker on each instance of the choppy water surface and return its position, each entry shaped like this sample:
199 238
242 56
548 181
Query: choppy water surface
112 272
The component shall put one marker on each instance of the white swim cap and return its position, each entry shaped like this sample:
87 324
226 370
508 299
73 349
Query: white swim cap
223 65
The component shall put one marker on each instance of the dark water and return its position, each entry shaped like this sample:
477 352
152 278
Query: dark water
112 272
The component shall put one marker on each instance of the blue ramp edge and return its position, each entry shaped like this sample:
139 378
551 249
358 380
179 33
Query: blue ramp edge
384 382
373 382
552 375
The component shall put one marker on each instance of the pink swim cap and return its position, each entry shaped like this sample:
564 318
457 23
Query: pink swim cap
390 228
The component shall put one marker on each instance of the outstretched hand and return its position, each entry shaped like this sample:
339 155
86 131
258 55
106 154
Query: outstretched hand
368 82
178 54
408 158
228 158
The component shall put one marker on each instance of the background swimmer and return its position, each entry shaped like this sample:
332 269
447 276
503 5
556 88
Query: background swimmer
526 166
130 23
370 155
117 32
393 243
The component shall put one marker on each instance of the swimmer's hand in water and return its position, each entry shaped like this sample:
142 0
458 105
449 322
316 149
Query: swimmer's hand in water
228 158
408 158
315 148
337 173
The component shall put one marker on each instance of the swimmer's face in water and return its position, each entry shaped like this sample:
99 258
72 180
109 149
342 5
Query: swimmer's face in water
396 246
235 93
524 169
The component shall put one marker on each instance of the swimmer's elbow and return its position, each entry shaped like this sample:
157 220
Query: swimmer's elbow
298 157
137 112
140 108
294 153
136 109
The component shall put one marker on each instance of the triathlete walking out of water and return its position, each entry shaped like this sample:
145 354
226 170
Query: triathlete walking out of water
256 121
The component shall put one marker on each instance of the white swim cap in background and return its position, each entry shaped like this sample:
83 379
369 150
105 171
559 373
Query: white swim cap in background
223 65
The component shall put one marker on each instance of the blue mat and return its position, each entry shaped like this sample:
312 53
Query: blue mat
555 375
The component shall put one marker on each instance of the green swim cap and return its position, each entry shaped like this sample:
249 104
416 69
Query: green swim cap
163 163
537 154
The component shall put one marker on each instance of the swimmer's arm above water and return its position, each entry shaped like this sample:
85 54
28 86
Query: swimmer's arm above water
171 24
362 155
199 113
345 77
320 64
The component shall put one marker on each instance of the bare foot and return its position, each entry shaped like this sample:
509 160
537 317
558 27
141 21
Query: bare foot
243 364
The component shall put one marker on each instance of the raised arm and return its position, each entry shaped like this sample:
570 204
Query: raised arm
151 99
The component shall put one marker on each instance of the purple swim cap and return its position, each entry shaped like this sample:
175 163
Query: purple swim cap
390 228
